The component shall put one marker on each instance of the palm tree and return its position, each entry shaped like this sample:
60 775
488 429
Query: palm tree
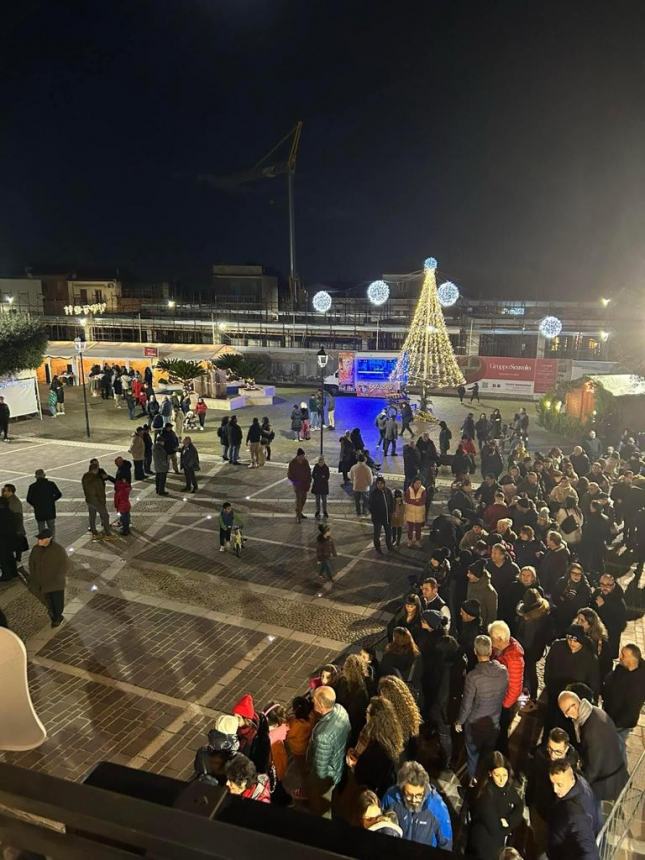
180 370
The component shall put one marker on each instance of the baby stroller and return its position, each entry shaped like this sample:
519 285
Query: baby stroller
191 421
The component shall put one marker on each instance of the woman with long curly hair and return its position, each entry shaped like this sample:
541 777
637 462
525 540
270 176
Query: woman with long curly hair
597 635
406 709
353 693
382 743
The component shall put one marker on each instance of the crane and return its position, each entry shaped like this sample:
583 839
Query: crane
265 168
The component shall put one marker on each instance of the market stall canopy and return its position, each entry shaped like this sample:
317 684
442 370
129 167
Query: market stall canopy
620 384
103 350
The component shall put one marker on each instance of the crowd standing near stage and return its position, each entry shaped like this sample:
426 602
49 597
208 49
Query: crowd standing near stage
516 610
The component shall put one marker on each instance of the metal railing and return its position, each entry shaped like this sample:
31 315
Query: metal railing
620 836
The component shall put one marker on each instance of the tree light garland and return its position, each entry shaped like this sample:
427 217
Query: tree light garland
550 327
427 359
322 302
378 292
448 294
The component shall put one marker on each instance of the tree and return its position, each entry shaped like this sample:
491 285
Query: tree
23 342
243 366
181 371
427 359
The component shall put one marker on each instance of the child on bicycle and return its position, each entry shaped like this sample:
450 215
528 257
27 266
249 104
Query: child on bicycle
228 519
325 549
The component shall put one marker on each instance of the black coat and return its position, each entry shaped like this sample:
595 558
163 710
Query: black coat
355 702
469 631
569 598
320 483
539 791
613 614
375 769
411 461
602 755
573 825
623 695
502 579
439 651
487 835
562 667
553 566
254 433
381 505
234 434
42 495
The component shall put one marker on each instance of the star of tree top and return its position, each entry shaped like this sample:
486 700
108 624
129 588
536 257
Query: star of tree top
427 359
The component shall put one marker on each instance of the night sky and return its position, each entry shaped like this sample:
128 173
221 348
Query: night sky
507 139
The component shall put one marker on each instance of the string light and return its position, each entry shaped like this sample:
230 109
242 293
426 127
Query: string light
448 294
378 292
427 359
322 302
550 327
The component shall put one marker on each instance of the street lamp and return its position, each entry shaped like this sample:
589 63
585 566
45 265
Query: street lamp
171 303
323 358
81 345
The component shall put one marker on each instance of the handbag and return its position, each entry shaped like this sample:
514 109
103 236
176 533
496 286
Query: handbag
569 524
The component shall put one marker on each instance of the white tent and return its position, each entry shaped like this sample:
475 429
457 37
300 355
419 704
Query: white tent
20 392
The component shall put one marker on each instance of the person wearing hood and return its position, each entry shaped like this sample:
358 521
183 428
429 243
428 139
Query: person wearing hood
555 561
509 653
440 651
480 589
623 691
372 817
601 750
574 822
421 811
534 632
243 780
223 743
569 661
471 628
569 595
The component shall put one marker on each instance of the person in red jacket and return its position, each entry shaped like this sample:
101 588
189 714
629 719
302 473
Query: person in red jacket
122 490
248 722
509 653
201 408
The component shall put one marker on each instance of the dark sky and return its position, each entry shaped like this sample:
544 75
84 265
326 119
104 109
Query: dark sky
507 139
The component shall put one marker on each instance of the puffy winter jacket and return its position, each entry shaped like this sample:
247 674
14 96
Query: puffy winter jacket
122 492
429 825
326 751
513 658
484 692
415 505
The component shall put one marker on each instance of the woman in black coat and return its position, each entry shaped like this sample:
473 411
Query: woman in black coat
496 811
570 594
320 486
347 456
8 541
357 440
403 659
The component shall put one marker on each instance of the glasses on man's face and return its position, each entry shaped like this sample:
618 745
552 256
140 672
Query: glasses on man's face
414 797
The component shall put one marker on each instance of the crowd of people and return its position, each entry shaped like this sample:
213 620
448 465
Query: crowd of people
517 611
516 608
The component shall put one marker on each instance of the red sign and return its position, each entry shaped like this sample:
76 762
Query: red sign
510 375
151 352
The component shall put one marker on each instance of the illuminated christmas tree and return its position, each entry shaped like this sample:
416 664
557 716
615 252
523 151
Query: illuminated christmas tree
427 360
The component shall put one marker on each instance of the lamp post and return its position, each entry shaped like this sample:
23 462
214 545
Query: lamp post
323 358
81 346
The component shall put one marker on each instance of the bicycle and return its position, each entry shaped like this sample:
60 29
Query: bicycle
237 541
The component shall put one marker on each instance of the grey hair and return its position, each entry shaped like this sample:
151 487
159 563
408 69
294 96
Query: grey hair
483 646
412 773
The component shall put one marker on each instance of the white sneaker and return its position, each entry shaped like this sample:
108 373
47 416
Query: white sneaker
221 549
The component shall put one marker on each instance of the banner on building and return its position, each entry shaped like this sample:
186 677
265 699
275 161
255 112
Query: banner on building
346 371
503 375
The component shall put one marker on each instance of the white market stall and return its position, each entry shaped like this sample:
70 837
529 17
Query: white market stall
20 392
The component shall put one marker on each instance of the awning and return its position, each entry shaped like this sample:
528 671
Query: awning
102 350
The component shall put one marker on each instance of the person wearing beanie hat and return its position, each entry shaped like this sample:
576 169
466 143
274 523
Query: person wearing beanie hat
299 473
228 724
480 589
440 651
471 628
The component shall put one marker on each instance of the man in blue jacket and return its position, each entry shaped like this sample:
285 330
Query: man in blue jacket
574 822
422 813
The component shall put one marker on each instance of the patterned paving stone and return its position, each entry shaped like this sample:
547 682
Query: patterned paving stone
170 652
87 723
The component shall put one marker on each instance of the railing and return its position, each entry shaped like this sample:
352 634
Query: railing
621 836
